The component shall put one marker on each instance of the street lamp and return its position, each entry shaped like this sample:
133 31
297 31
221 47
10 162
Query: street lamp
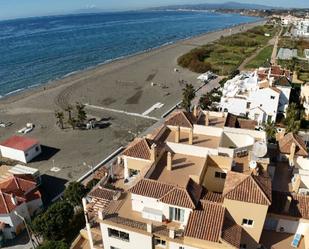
28 231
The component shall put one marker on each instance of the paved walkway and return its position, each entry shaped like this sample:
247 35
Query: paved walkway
275 50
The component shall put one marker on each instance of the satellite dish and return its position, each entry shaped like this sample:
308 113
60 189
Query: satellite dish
252 164
260 149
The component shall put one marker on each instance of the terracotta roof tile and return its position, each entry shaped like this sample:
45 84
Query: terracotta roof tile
151 188
206 223
183 197
231 232
17 186
212 197
181 118
247 188
285 144
102 193
139 148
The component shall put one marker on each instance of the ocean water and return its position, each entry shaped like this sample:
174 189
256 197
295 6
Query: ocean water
34 51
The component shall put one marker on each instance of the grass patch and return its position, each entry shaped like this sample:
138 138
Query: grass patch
262 58
226 54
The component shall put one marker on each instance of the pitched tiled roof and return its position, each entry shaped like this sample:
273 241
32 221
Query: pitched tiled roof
206 223
181 118
183 197
231 232
16 187
299 206
151 188
285 144
235 122
247 188
247 124
102 193
212 197
283 81
20 143
139 148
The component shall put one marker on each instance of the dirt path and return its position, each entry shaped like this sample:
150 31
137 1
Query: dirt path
274 54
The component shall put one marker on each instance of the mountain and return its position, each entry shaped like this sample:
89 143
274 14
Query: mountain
215 6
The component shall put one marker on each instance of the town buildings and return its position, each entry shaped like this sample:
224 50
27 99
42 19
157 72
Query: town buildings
258 95
19 148
18 193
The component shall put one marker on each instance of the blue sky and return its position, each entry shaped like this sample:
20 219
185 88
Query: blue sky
24 8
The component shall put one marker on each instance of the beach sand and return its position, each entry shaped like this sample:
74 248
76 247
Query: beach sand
124 85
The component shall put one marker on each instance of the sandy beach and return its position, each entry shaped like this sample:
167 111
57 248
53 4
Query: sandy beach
133 84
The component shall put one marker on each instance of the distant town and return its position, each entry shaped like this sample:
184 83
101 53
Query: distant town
214 155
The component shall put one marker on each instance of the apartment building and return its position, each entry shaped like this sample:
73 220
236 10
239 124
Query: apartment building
259 95
193 183
18 193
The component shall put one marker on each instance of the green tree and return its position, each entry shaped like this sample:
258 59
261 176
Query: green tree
54 245
205 102
293 118
188 94
81 113
91 184
74 193
271 131
53 223
60 118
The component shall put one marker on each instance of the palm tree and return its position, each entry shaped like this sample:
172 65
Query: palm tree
69 110
72 122
293 118
81 113
271 131
60 119
188 94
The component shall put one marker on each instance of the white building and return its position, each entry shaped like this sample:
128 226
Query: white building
302 28
245 95
304 94
18 193
21 149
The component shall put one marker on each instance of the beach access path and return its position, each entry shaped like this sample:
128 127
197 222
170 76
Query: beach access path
143 83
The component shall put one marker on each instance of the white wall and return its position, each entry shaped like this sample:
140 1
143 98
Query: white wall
13 154
174 245
302 162
284 96
256 134
240 140
288 225
137 240
191 150
236 106
20 155
207 130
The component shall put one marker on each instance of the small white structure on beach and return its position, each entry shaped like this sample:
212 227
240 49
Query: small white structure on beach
19 148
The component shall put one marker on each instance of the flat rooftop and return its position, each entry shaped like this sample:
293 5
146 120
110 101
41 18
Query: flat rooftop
182 167
198 139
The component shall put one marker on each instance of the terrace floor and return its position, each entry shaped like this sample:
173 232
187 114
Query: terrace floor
198 139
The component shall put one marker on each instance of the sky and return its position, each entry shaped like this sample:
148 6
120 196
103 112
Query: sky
24 8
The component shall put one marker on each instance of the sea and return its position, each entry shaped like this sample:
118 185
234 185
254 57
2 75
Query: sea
36 51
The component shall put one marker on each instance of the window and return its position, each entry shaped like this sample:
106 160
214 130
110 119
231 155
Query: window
112 247
247 222
118 234
159 242
243 246
37 149
177 214
181 247
248 105
221 175
261 105
272 97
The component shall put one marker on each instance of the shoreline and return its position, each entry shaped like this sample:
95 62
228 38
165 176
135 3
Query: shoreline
53 83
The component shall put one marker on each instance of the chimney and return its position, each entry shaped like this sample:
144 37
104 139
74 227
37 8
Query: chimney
149 227
292 154
191 136
119 160
206 118
287 204
177 135
195 111
100 214
169 161
153 152
172 233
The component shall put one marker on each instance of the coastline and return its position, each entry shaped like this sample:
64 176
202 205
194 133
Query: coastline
71 76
